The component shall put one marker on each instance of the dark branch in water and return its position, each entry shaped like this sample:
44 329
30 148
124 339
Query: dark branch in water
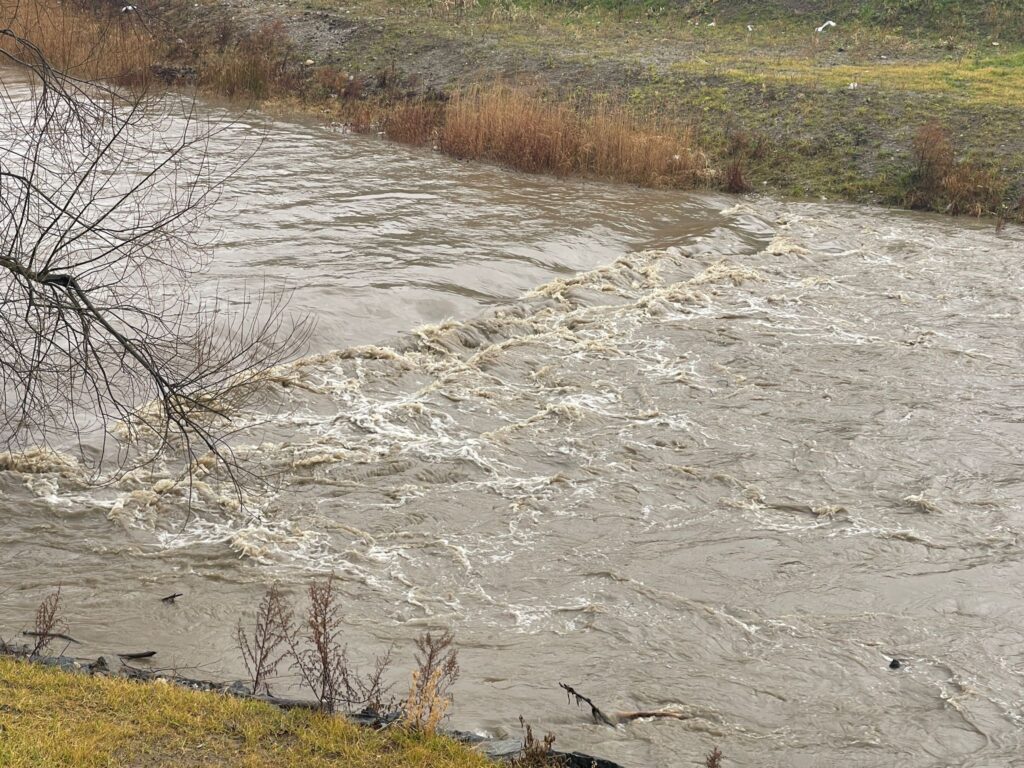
51 636
598 715
620 717
171 598
139 655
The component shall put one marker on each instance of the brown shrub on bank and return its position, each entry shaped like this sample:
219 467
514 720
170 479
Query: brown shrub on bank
330 82
437 669
256 67
514 127
734 179
321 658
265 645
49 623
933 159
941 183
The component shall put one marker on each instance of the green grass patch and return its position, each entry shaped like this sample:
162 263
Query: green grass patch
51 718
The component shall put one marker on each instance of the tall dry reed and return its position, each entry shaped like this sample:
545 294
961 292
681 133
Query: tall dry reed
89 42
513 126
258 64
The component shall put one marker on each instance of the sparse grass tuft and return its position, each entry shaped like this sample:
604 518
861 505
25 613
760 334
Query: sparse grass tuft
735 177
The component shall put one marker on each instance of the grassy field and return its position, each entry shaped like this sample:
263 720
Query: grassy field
52 718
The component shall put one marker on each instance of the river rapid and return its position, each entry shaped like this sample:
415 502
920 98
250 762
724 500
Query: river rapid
722 457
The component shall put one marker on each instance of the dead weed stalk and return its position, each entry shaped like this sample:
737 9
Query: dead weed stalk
49 623
266 644
321 657
437 669
536 753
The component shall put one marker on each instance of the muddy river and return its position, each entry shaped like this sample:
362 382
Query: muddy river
715 456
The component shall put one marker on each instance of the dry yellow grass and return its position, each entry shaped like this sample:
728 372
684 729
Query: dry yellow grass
87 44
514 127
54 719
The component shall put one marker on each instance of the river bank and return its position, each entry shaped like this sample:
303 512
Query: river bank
774 104
119 714
918 108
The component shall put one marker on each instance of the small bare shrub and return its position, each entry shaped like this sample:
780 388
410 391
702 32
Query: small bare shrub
322 659
266 644
536 752
933 159
49 622
735 179
940 183
437 669
713 759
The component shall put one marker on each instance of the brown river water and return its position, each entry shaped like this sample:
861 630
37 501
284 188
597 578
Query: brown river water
717 456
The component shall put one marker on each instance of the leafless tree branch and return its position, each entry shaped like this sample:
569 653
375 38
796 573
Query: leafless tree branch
104 328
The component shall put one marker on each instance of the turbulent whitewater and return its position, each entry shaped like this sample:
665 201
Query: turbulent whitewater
725 459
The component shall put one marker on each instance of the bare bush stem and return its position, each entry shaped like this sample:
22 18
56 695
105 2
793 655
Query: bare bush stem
265 646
